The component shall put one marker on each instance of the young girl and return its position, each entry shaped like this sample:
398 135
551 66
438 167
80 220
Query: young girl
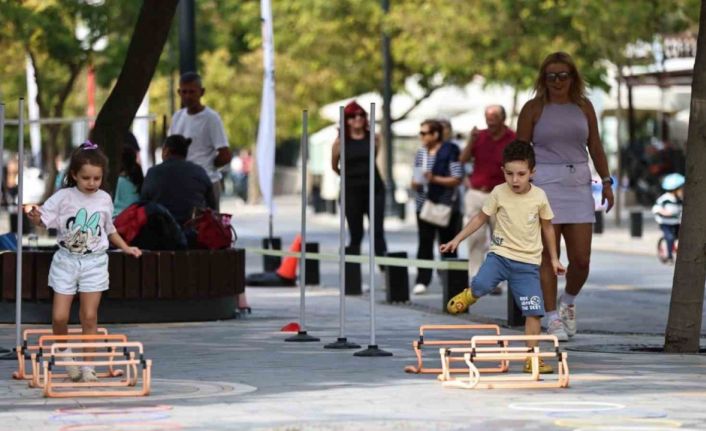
82 214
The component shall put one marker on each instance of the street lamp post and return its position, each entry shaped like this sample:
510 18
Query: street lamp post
386 114
187 37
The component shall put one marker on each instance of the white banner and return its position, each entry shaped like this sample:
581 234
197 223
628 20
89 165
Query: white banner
141 130
266 129
35 137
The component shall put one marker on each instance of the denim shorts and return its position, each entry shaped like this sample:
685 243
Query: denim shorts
70 273
522 278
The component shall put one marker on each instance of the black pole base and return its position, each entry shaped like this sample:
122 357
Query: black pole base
372 351
302 337
7 354
342 343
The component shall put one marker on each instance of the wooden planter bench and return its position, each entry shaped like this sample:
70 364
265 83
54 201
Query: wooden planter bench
160 286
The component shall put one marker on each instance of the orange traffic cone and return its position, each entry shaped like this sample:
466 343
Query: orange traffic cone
291 327
288 268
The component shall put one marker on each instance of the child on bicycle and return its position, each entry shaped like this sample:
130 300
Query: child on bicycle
523 215
83 215
668 209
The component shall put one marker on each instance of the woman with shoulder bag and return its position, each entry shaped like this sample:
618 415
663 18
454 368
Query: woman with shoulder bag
437 175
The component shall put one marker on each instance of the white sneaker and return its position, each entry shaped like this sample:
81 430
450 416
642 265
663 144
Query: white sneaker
73 371
88 375
419 289
567 313
556 328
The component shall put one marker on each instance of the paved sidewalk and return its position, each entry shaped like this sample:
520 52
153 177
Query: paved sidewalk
241 375
627 292
615 238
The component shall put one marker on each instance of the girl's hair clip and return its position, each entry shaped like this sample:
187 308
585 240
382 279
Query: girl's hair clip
88 145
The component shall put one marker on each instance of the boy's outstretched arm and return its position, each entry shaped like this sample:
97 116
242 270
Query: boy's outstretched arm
550 241
473 225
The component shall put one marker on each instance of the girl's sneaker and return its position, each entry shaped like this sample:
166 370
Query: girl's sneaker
88 375
461 302
543 368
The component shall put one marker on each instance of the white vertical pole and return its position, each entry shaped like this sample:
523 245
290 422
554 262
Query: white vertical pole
4 353
342 342
342 218
302 335
302 258
20 216
372 350
371 224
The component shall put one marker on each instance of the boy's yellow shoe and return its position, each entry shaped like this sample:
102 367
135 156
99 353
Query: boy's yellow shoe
543 368
461 302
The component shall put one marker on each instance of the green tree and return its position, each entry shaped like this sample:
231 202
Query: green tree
324 51
47 32
505 40
116 115
683 331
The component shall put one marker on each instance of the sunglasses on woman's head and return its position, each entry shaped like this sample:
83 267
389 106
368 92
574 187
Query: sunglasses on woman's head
561 76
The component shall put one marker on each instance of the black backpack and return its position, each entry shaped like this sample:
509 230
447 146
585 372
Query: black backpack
161 232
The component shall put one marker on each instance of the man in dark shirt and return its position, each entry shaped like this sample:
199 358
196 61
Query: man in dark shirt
176 183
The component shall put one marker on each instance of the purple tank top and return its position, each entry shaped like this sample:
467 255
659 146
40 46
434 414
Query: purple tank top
561 134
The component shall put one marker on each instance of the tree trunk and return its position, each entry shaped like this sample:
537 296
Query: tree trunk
684 324
143 54
49 153
513 109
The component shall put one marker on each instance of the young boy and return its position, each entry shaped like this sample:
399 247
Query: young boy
521 210
668 210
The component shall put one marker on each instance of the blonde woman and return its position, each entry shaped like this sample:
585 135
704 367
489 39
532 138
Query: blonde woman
561 124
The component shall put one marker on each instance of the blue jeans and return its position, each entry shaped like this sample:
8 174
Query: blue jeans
671 233
522 278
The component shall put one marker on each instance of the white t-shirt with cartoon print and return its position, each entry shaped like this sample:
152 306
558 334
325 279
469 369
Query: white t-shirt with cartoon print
83 221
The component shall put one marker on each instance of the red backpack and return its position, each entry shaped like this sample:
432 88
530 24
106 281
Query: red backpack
130 221
213 230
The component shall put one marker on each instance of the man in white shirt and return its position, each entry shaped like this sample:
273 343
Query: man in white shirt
209 144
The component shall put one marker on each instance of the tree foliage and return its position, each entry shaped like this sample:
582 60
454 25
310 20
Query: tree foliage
61 38
327 50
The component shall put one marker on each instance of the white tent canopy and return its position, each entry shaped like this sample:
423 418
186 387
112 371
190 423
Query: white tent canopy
461 105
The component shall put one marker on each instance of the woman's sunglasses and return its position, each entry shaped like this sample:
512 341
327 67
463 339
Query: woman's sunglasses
357 115
561 76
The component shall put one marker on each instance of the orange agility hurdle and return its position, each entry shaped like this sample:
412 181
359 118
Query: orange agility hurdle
419 345
46 341
27 348
127 354
478 352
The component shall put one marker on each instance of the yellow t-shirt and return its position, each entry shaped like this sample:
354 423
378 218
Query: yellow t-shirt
518 233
